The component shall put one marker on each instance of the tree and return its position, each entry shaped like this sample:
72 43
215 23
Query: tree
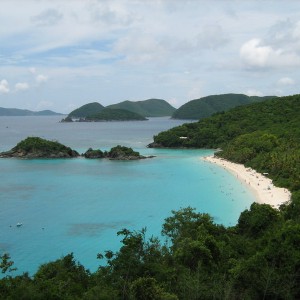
6 264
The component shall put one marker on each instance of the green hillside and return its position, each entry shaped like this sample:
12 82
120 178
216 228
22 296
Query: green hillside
85 110
108 114
207 106
265 136
147 108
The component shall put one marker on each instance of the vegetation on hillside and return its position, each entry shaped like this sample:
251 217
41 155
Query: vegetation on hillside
204 107
115 153
256 259
85 110
36 147
109 114
147 108
122 152
264 136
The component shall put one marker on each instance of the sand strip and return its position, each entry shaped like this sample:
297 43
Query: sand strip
262 186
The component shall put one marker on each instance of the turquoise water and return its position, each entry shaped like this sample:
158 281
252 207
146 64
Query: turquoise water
78 205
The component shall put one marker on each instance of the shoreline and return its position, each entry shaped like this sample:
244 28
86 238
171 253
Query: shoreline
262 186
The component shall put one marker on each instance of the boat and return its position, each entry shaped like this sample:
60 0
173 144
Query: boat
19 224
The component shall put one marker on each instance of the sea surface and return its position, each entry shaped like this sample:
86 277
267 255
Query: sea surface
79 205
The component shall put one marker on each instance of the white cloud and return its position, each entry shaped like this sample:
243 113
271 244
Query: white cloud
253 92
88 48
32 70
48 17
41 78
42 105
195 92
286 81
173 102
212 37
255 54
21 86
4 87
139 49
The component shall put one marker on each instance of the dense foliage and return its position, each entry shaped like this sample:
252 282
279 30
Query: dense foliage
147 108
109 114
85 110
35 147
204 107
32 147
259 258
122 152
265 136
91 153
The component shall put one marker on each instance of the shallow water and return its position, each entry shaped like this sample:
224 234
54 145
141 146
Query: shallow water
78 205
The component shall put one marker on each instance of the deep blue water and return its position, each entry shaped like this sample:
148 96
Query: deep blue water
78 205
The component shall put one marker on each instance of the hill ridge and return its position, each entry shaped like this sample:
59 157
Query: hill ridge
206 106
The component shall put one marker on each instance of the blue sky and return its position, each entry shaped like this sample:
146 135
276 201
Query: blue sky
61 54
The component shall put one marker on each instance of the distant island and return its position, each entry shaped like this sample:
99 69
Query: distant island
109 114
196 109
86 110
193 110
204 107
123 111
15 112
95 112
36 147
147 108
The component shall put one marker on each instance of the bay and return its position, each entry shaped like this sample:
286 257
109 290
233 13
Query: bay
78 205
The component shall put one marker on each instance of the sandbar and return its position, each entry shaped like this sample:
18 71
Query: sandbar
262 186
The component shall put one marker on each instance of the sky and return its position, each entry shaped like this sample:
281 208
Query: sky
62 54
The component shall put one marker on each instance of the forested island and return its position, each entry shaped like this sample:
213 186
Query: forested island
109 114
258 258
123 111
36 147
146 108
16 112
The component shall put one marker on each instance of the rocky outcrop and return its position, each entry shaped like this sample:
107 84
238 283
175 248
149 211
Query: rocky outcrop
123 153
155 145
93 154
35 147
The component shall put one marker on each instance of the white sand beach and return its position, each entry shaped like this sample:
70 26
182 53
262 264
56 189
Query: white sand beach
261 185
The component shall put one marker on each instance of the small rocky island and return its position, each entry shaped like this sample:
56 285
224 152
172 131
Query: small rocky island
35 147
115 153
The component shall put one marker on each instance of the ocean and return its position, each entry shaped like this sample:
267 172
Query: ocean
79 205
